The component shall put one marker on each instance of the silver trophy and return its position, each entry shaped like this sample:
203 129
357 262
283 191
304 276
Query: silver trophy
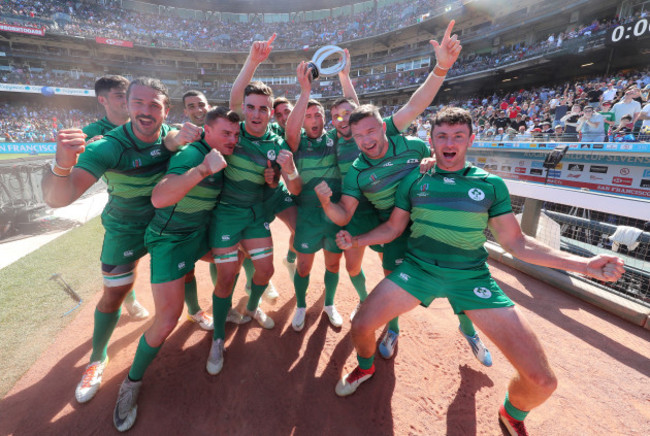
316 64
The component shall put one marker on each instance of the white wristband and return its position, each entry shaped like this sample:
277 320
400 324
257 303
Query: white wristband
294 175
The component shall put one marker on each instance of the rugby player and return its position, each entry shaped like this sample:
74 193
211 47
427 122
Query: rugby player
111 94
449 209
132 159
176 238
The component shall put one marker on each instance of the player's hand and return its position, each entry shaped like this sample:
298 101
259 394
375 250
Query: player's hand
344 240
260 50
214 162
605 267
324 192
94 138
285 160
449 48
70 143
426 164
346 69
188 133
303 73
271 176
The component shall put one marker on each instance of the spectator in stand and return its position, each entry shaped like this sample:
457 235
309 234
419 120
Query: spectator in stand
570 121
644 115
561 110
558 134
609 94
546 128
609 119
523 135
590 125
624 128
627 106
594 95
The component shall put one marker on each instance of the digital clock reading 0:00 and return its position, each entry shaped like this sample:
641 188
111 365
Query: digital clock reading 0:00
628 31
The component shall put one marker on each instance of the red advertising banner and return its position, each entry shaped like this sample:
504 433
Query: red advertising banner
110 41
21 29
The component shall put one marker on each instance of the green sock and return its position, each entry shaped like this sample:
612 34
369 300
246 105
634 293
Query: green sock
518 414
300 284
104 325
130 296
220 308
191 298
213 273
365 362
331 282
249 269
359 283
393 324
256 294
144 355
466 325
291 256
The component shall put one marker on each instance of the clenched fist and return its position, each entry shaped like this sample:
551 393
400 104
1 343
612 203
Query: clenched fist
213 162
70 143
324 192
285 160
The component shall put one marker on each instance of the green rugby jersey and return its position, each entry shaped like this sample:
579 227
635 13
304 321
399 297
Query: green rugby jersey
193 211
244 176
277 129
99 127
377 179
131 168
316 161
449 215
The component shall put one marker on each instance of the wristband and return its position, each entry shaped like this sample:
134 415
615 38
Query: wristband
294 175
355 242
58 170
439 71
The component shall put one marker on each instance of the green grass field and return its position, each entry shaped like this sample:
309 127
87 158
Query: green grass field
32 305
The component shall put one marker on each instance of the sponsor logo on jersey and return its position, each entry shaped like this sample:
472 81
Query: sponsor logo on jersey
266 226
155 153
576 167
388 164
288 199
626 181
225 237
304 245
412 161
476 194
404 277
128 253
602 169
449 180
398 261
482 292
624 171
181 265
645 183
270 154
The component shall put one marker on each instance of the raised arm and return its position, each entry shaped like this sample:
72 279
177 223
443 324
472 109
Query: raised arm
346 82
446 54
289 172
382 234
508 233
259 52
64 184
188 132
297 116
173 187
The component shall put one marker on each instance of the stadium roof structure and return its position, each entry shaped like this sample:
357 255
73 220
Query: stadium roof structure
254 6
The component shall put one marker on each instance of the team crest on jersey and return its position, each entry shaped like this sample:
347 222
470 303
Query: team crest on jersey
330 142
137 163
423 190
373 178
482 292
476 194
449 180
156 152
270 154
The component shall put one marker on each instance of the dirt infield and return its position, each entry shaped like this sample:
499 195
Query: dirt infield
280 382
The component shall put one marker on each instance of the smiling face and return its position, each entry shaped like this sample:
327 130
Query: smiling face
314 121
450 144
222 134
257 113
114 102
281 114
148 110
370 135
196 106
341 119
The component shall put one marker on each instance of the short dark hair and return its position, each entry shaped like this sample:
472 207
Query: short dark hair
340 101
258 88
221 112
152 83
193 93
104 84
280 100
452 116
313 102
365 111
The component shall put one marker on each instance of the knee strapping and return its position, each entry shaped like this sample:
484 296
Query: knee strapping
118 275
260 253
226 257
